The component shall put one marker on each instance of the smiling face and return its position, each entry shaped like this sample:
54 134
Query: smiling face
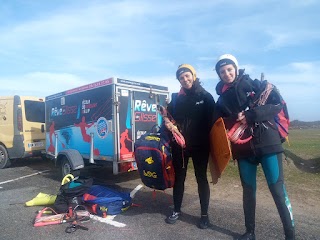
186 80
227 73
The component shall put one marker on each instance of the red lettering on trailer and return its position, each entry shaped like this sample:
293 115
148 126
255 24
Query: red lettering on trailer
144 117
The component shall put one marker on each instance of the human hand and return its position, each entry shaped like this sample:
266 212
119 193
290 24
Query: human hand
242 117
170 126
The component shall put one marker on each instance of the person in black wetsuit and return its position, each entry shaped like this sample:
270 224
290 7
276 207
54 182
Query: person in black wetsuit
238 95
192 109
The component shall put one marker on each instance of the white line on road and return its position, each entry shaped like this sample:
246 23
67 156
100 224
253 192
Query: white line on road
108 220
30 175
135 190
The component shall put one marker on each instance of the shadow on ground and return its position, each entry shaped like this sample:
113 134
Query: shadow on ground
309 165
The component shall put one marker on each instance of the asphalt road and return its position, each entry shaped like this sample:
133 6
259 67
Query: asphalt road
26 178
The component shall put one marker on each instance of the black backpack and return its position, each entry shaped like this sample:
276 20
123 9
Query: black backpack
70 194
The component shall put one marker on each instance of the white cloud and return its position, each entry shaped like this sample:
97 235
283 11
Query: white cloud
51 47
39 84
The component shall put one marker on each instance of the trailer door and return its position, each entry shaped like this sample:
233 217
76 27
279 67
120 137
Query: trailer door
146 117
137 114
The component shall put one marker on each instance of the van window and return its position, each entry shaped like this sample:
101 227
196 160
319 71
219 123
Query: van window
34 111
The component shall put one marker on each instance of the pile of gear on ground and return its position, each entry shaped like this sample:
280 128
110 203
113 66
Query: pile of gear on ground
76 200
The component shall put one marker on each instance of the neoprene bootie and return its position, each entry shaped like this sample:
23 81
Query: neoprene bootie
248 236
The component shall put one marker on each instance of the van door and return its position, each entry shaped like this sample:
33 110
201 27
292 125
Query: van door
33 119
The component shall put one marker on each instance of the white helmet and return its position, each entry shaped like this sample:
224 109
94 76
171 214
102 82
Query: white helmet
226 59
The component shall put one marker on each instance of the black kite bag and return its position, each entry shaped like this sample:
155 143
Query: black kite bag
154 160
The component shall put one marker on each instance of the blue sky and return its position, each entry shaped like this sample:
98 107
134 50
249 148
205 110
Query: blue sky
51 46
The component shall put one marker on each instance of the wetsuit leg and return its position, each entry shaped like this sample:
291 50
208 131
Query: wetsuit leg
180 177
273 170
200 163
248 173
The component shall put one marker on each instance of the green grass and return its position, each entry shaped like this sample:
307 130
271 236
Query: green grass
304 142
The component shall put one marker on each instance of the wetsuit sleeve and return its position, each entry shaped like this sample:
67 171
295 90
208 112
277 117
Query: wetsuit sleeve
265 112
210 110
217 113
229 120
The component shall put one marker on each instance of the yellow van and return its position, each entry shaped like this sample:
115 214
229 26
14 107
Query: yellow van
22 133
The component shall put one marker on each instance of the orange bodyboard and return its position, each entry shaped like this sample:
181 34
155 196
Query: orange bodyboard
219 149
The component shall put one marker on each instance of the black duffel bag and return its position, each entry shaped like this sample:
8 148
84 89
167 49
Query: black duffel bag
70 194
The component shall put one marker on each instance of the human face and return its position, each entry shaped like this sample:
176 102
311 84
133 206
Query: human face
186 80
227 73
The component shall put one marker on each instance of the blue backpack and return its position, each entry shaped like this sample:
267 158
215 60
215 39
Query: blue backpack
153 156
103 201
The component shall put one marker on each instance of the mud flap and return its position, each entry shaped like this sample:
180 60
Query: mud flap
74 157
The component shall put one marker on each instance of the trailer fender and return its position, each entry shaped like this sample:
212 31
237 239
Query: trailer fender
73 156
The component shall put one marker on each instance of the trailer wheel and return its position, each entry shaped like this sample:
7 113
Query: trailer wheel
4 157
66 168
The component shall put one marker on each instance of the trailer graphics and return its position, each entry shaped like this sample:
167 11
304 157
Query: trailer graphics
101 121
74 117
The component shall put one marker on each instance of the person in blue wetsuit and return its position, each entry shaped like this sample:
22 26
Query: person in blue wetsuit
260 142
192 109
